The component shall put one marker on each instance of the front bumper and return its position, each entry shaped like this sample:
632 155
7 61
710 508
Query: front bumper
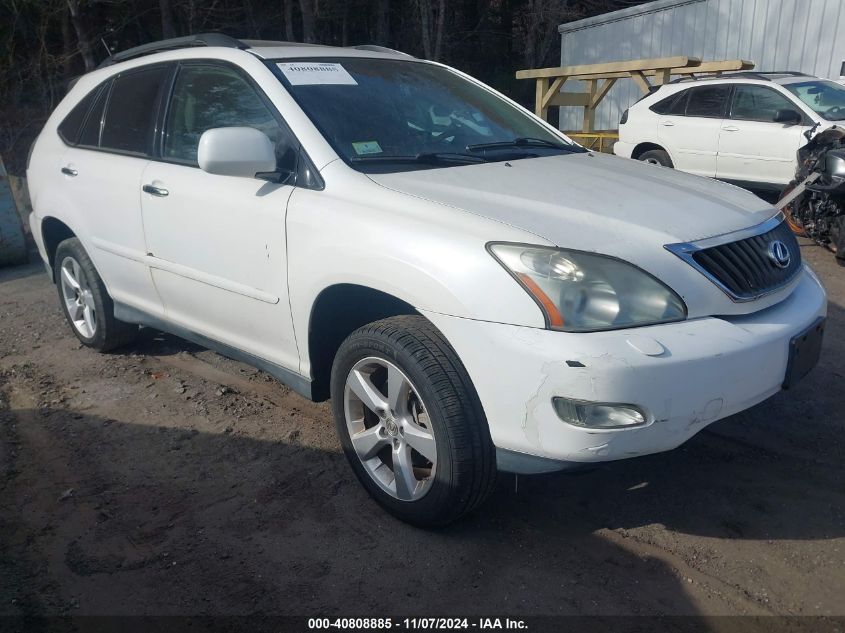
708 369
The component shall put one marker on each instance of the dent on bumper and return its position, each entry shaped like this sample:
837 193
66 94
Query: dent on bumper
685 375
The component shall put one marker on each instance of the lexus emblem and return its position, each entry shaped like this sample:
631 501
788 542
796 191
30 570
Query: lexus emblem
779 254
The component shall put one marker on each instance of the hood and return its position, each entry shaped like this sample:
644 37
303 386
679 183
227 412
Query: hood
589 201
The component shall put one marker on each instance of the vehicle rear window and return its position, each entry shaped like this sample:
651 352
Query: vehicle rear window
90 135
708 101
131 111
72 123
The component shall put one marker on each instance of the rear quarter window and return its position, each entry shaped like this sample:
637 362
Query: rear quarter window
70 127
664 106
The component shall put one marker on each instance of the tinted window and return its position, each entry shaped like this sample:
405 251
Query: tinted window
69 128
664 105
756 103
91 131
708 101
207 97
679 106
131 113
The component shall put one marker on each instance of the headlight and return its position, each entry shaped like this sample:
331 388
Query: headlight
584 292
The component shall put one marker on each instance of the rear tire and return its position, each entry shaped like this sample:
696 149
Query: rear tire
656 157
85 302
456 468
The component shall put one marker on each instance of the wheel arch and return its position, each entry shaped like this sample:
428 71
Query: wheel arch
53 232
339 310
642 148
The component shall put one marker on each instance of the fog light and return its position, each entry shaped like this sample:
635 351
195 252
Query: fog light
598 415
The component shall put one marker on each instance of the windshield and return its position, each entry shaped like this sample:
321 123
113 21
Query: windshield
826 98
399 115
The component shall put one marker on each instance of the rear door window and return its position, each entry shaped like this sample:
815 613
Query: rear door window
708 101
132 109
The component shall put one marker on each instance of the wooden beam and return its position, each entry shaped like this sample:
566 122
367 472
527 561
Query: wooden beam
641 81
602 92
570 99
610 67
728 65
554 89
703 68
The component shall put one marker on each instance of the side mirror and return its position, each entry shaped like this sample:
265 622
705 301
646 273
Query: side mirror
788 116
236 151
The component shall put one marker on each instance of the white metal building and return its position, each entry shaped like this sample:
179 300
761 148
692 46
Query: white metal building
800 35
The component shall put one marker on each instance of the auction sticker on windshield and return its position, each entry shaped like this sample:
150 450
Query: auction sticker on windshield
316 74
366 147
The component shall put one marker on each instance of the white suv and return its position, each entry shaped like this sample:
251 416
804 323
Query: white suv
472 290
743 128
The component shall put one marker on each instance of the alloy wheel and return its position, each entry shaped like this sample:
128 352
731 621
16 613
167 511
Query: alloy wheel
78 298
390 429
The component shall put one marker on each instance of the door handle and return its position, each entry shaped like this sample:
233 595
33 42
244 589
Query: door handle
667 124
731 128
69 171
155 191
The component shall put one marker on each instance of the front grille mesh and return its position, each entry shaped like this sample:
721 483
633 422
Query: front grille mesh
745 267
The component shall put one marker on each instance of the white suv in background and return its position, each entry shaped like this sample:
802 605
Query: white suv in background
473 291
743 128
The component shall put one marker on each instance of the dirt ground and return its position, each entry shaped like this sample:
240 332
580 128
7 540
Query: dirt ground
165 479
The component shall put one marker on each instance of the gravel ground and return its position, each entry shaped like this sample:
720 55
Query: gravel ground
165 479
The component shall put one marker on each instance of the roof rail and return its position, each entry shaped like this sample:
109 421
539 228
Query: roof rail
379 49
201 39
768 74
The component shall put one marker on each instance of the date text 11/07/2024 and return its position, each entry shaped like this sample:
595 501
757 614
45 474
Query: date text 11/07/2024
414 624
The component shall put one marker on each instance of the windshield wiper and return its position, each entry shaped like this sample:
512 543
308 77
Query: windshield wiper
524 141
431 158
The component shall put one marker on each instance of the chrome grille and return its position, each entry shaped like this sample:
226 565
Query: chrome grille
745 265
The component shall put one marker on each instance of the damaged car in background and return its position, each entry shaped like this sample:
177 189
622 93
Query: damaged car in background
473 291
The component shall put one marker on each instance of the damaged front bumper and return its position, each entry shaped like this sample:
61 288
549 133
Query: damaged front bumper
683 375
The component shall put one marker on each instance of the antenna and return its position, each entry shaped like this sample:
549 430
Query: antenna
106 46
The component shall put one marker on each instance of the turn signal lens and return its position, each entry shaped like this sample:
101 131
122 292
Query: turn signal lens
598 415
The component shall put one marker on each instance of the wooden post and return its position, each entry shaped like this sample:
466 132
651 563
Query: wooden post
663 76
540 89
590 108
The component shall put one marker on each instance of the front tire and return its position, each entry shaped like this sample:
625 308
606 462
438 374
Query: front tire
410 422
85 302
657 157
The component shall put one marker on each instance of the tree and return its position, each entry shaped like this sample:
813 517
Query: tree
81 35
432 21
309 20
168 26
383 22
